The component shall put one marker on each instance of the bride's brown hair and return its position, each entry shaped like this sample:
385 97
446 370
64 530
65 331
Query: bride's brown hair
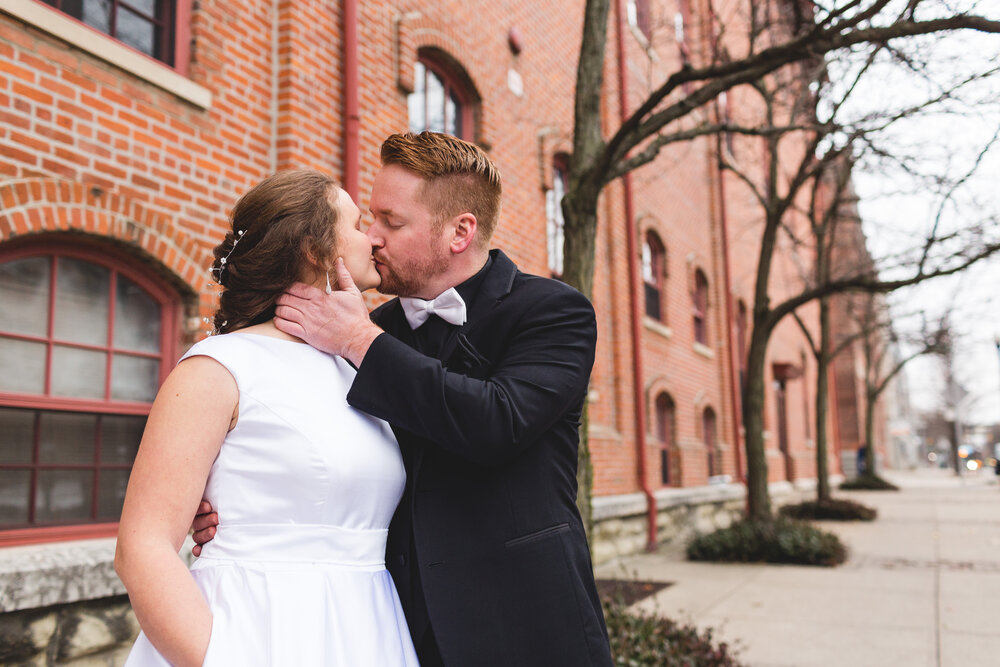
280 226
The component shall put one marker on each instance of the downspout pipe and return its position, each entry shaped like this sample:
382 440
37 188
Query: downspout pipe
734 380
632 238
352 119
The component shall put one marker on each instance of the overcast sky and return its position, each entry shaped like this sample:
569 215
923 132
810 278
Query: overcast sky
899 208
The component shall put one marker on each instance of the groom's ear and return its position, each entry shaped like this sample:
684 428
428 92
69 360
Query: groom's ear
463 228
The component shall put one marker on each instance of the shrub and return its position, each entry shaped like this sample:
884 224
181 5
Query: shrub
829 510
639 639
868 483
777 541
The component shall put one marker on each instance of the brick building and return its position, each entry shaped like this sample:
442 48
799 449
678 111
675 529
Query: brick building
126 136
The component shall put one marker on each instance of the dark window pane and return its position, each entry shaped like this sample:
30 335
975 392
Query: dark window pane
120 436
134 378
67 437
96 13
22 366
135 31
137 318
24 296
148 7
111 494
665 467
17 435
15 486
82 301
63 495
652 301
78 373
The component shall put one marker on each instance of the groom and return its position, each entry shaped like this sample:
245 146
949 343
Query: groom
482 372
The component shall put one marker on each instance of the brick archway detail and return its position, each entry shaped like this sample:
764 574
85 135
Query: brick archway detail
415 31
41 205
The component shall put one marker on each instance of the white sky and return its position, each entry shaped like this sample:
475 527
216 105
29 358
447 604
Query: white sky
898 208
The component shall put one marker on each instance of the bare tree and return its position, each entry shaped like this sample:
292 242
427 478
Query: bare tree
680 108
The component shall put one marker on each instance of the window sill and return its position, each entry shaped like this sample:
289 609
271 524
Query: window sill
42 575
704 350
87 39
657 327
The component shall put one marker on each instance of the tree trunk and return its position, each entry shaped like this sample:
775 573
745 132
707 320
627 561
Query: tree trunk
822 402
580 215
871 398
758 500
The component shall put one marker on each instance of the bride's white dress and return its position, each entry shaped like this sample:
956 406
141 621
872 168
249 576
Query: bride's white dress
305 487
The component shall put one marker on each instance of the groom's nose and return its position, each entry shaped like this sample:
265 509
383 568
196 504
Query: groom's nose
374 237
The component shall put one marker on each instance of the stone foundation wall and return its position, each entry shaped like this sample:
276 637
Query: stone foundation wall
94 633
682 513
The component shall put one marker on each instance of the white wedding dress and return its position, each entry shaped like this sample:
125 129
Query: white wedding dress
305 487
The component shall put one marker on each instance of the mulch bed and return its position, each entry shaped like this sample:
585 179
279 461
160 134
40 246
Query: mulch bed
629 591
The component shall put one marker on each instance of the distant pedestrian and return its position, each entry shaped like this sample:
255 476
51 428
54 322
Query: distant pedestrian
863 460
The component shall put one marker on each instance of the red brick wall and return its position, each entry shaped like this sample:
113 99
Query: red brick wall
90 148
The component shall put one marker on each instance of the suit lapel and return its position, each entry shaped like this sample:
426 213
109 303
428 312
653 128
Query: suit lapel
495 286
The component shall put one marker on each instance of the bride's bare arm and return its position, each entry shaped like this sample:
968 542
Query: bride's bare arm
187 424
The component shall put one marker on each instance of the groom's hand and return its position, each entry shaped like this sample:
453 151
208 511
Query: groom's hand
203 526
336 323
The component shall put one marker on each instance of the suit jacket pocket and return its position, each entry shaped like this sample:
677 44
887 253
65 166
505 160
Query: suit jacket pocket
537 535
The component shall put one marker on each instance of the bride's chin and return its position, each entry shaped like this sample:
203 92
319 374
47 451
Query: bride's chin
368 282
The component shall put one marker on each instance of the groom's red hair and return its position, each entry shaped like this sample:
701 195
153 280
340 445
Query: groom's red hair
460 177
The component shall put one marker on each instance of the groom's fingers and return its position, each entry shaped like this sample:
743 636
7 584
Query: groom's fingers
303 291
283 321
344 280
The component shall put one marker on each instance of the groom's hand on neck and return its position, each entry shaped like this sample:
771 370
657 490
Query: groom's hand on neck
335 323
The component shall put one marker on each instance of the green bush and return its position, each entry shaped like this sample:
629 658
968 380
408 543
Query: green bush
777 541
829 510
868 483
639 639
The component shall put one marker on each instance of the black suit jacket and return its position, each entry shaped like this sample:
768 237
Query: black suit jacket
490 436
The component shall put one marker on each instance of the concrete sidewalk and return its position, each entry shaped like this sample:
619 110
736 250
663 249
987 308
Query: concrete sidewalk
921 585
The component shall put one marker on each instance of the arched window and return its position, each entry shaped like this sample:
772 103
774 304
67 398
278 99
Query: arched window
439 101
85 340
710 436
554 225
666 435
700 307
638 14
654 270
682 20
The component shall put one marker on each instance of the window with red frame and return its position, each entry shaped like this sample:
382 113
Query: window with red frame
638 14
554 225
700 307
682 19
85 340
711 444
654 270
439 103
665 433
148 26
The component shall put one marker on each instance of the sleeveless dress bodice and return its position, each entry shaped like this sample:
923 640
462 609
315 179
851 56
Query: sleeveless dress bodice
305 487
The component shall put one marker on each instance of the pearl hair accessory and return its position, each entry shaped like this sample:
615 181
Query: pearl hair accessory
217 272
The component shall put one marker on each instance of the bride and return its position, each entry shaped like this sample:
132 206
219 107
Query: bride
257 422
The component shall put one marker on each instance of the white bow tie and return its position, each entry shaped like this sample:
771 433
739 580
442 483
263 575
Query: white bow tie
448 305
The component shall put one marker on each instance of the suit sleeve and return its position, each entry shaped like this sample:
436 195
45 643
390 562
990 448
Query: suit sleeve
543 374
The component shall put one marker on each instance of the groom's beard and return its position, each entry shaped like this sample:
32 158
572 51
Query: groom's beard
407 277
